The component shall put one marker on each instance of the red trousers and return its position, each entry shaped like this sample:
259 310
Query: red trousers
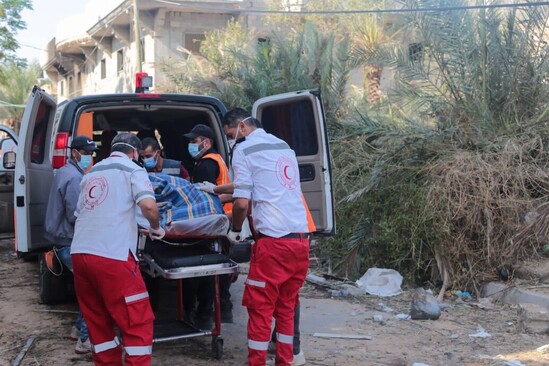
277 270
112 293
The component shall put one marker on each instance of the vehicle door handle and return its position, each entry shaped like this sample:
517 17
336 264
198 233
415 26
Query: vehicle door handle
22 179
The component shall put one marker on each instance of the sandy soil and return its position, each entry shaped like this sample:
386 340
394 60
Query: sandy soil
444 342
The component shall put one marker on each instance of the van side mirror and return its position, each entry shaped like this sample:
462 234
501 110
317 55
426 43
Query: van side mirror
9 160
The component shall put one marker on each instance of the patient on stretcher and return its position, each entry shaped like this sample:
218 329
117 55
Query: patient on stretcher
185 210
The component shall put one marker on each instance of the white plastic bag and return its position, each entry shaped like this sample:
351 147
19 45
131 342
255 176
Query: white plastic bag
381 282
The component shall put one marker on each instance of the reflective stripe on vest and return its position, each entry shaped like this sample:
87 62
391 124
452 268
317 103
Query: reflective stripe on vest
222 178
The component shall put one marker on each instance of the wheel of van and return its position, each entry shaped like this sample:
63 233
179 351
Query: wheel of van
52 282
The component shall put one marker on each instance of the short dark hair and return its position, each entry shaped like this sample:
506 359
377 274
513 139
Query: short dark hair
152 142
236 115
126 142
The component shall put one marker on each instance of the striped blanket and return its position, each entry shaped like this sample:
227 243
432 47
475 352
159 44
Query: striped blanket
177 199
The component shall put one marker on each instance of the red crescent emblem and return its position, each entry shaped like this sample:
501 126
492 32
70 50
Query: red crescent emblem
286 173
90 192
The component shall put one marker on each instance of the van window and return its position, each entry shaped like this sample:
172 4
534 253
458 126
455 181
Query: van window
294 123
39 133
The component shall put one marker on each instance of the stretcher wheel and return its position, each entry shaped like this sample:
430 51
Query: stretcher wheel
217 347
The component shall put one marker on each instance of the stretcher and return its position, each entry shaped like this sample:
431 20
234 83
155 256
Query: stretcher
191 248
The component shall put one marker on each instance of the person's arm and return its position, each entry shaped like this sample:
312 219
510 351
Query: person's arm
183 173
242 190
150 211
72 191
224 189
144 197
240 211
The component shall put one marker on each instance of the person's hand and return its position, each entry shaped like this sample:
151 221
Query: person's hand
234 236
206 187
156 234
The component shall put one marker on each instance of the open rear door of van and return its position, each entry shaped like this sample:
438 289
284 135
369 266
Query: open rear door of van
33 171
8 145
298 118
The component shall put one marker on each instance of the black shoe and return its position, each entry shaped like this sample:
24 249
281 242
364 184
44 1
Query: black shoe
227 316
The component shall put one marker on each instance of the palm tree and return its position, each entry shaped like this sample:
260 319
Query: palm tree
16 82
273 63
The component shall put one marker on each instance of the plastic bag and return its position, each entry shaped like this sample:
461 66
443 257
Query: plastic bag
424 306
381 282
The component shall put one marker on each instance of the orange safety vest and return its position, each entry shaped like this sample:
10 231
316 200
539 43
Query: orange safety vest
310 222
222 178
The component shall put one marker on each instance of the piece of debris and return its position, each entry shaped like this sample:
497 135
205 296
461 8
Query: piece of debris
419 364
338 293
513 363
485 303
381 306
378 318
343 336
481 333
533 318
381 282
402 316
424 306
24 351
543 349
317 280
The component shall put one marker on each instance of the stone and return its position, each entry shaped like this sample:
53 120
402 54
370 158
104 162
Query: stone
533 319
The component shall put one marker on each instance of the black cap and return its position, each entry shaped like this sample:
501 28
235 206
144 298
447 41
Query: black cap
83 143
200 130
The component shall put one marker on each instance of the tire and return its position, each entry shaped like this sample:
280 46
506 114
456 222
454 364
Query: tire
217 347
52 286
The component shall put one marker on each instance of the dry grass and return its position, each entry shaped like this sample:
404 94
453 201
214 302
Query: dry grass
483 199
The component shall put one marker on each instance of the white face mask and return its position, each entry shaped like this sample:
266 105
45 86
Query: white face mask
236 134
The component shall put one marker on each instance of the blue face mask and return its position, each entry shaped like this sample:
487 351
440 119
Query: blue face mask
85 161
194 149
150 163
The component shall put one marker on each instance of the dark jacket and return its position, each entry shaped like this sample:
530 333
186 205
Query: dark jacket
62 201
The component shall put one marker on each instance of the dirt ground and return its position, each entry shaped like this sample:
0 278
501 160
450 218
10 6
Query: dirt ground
444 342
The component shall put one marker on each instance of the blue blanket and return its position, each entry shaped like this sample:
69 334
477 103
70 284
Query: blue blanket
177 199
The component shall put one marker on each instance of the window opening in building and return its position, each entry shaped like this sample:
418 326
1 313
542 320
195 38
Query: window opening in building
192 42
103 69
120 61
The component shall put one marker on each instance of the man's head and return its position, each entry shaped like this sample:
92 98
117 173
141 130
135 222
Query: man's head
150 153
127 143
201 140
82 149
238 123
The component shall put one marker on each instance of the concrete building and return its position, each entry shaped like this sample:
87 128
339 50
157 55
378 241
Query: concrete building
96 52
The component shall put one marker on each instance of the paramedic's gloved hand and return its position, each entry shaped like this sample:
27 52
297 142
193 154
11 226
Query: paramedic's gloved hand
206 187
156 234
234 236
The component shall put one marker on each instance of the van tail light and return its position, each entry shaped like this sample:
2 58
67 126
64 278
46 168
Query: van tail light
59 158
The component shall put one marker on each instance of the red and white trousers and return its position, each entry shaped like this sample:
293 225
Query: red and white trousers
277 270
112 293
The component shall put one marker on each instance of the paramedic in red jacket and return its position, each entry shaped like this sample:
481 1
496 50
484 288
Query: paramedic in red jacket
266 173
108 282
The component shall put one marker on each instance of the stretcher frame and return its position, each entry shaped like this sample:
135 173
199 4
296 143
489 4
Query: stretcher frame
150 266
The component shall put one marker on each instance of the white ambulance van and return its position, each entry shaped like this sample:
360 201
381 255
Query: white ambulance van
48 128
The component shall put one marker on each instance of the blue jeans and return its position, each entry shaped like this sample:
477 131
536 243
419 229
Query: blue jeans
64 255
